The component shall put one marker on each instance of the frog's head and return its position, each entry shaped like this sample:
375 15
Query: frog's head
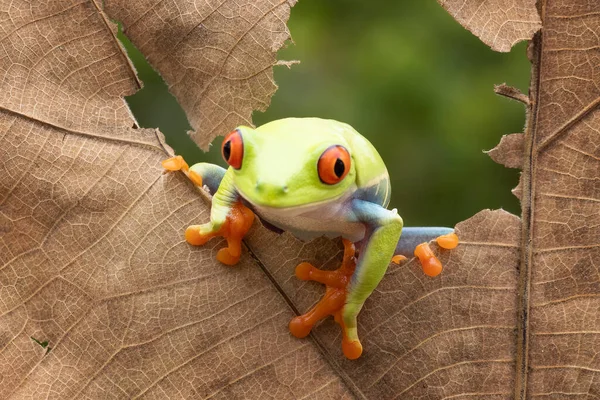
291 162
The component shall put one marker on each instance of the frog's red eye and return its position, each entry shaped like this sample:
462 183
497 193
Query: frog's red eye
233 149
334 165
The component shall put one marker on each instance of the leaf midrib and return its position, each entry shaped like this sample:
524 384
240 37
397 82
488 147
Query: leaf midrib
527 206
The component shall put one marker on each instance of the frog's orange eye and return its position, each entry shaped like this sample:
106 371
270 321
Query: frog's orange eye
233 149
334 165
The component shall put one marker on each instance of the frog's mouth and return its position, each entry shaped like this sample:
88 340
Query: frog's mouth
332 204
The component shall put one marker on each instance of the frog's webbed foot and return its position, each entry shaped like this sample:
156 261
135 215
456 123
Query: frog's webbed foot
332 302
234 229
429 262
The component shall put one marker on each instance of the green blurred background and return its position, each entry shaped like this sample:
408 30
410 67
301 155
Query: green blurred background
405 75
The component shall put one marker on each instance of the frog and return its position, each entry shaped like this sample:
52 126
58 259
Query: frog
312 177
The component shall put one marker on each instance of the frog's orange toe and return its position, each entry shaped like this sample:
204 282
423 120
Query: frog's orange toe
194 237
430 263
399 258
299 327
352 348
175 164
303 271
195 178
224 256
448 241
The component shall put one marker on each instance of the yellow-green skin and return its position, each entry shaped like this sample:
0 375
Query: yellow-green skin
279 180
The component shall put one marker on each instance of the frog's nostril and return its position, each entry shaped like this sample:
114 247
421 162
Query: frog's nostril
257 186
285 189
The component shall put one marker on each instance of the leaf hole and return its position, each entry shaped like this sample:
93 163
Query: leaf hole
43 344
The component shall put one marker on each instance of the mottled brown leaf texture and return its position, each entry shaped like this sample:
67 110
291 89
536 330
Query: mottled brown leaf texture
510 151
93 259
498 23
560 279
215 55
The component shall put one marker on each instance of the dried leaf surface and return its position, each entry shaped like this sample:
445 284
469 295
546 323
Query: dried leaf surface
498 23
92 257
216 56
61 63
561 279
510 151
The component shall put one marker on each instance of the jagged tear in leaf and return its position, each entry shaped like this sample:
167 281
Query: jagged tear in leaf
518 190
498 23
216 56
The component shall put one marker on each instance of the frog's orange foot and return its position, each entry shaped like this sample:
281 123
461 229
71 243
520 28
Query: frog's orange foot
234 229
177 163
333 301
430 263
448 241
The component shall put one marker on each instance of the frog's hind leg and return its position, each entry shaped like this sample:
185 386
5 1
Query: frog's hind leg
335 293
350 285
413 236
376 250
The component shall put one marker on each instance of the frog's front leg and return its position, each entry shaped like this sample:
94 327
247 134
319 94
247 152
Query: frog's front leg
349 287
229 218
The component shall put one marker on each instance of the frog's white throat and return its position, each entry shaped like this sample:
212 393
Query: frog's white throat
306 222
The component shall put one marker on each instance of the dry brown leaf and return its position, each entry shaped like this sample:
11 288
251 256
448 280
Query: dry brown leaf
498 23
510 151
559 328
72 78
215 55
92 256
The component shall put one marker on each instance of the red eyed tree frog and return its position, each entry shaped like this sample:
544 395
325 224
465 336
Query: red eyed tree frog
312 177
